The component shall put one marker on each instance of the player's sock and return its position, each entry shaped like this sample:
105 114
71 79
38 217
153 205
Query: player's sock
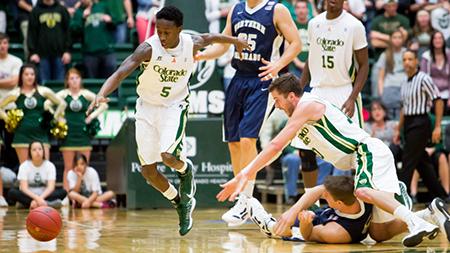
317 203
183 169
404 214
248 190
172 194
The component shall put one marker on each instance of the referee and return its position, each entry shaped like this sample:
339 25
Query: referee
416 96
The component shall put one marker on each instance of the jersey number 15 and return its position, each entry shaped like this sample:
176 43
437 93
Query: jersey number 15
327 61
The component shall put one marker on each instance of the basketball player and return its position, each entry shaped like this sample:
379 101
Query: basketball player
345 221
338 47
263 24
166 61
327 131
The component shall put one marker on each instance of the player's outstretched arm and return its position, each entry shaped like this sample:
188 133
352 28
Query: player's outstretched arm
328 233
217 50
207 39
142 53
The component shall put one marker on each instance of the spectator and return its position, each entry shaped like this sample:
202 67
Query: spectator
391 74
417 95
384 25
357 8
25 7
121 12
3 23
440 17
9 76
71 5
93 20
78 138
301 10
37 178
30 97
145 24
85 189
379 125
49 39
422 30
7 177
436 63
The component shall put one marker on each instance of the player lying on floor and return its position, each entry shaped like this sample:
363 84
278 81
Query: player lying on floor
334 137
346 220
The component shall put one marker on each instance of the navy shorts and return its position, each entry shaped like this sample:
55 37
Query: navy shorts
246 102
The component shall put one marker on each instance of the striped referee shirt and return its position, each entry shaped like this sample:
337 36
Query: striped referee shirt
418 93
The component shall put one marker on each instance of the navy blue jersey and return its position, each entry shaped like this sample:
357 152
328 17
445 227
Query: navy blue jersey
257 28
357 225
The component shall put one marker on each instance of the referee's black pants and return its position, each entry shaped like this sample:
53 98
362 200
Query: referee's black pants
417 131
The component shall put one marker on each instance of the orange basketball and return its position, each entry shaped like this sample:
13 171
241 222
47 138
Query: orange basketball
44 223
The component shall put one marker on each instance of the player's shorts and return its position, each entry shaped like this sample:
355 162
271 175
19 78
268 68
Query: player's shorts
337 96
247 105
375 168
160 129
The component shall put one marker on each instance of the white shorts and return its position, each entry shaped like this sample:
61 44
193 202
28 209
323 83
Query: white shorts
160 129
337 96
375 169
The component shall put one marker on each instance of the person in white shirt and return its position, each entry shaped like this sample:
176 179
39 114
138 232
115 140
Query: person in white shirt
85 189
37 178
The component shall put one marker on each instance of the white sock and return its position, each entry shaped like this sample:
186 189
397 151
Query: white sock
317 203
183 169
404 214
171 193
248 189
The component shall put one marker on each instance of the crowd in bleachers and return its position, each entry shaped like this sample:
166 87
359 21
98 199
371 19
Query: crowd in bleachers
90 37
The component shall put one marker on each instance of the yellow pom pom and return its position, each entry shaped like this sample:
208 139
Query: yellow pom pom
13 120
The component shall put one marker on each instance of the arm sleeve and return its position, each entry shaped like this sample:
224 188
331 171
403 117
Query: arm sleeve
96 187
430 88
22 175
359 38
49 94
51 170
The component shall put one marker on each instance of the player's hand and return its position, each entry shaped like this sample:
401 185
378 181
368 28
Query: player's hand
349 107
269 71
94 104
286 220
199 56
233 187
436 135
240 45
306 217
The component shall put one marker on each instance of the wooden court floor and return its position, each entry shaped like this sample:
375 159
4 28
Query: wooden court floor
119 230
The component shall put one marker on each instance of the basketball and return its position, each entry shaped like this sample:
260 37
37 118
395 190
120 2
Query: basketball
44 223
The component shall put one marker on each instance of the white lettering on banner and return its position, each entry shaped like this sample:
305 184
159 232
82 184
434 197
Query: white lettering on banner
204 101
191 146
135 168
208 167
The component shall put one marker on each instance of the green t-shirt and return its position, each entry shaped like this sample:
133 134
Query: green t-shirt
303 32
291 9
117 10
388 25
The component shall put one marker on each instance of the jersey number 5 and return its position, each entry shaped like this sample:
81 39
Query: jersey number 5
165 91
327 61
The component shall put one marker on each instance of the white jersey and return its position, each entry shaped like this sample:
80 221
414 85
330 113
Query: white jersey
164 79
335 138
331 45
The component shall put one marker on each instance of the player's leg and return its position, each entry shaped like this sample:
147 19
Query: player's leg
309 168
376 170
77 197
173 154
235 155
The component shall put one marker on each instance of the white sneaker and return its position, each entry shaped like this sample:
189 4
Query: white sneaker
3 202
260 217
440 214
238 214
418 232
65 201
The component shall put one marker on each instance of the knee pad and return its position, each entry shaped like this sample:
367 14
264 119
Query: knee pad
309 162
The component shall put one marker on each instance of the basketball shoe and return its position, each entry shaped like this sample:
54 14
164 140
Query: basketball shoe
404 197
184 210
440 215
187 185
238 214
260 217
418 231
